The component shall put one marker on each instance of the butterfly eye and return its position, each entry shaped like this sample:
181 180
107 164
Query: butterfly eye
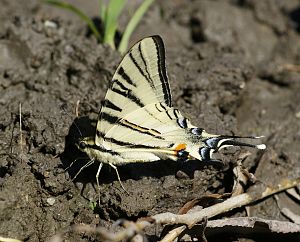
82 145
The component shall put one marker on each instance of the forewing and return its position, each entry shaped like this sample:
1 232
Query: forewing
140 79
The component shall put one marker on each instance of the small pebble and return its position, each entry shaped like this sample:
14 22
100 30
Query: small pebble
51 201
50 24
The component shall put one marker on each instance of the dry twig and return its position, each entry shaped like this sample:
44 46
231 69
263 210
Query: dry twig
77 108
229 204
21 135
2 239
290 67
189 220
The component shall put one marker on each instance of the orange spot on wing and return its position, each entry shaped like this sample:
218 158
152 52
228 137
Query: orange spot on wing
180 147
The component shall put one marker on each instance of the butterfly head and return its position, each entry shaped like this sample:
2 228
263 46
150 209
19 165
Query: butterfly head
83 144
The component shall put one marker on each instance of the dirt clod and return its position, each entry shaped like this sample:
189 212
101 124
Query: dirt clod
225 62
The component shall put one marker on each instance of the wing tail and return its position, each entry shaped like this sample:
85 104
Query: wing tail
214 143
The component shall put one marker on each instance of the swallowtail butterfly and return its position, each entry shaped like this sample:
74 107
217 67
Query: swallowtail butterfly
137 122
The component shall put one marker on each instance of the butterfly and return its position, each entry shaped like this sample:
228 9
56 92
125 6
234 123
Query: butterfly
137 122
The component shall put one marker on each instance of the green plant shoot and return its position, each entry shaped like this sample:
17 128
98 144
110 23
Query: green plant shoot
109 14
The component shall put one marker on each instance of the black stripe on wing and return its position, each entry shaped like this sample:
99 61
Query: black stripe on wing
161 63
141 129
117 85
109 118
124 75
146 66
128 144
112 106
147 77
131 126
166 110
125 92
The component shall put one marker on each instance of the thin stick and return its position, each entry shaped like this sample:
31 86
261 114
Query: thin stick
21 135
2 239
290 67
76 108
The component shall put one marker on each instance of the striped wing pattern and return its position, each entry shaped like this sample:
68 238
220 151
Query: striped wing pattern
137 122
139 80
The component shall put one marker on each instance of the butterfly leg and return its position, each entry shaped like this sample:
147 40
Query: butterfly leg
113 166
83 167
97 180
97 175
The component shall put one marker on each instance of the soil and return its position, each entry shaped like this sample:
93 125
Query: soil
229 65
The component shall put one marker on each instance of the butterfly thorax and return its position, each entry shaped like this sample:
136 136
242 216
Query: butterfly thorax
97 151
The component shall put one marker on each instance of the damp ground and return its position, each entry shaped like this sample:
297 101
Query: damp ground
232 67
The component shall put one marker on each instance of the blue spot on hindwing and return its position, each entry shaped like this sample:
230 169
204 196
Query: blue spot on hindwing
212 142
182 123
205 153
197 131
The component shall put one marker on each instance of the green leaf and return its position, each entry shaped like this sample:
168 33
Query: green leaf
109 15
102 10
113 11
93 205
79 13
136 18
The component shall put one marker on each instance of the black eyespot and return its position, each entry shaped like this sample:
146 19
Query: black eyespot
212 142
82 145
182 155
197 131
205 153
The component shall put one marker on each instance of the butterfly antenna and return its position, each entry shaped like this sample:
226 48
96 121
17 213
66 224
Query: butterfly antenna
73 162
78 128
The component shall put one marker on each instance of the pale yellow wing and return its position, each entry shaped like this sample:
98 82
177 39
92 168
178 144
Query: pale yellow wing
139 80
